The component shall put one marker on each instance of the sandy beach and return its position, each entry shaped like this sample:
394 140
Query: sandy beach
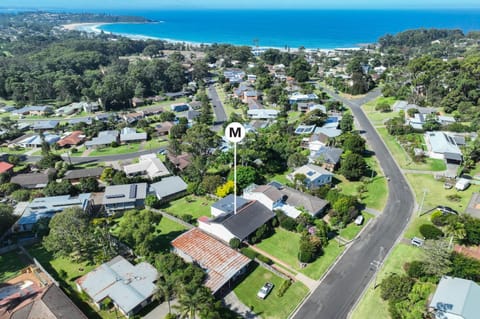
86 27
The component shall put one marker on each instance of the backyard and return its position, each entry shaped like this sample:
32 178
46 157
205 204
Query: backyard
272 307
193 205
372 303
11 264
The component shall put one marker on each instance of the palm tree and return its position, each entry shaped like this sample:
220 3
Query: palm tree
455 230
192 300
165 290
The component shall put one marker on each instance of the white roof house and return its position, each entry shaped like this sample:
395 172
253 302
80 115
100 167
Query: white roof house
262 114
442 145
315 175
148 165
130 287
299 97
129 134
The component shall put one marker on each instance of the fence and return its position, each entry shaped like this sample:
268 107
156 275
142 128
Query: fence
173 218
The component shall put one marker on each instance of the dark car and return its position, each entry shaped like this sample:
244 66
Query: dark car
447 210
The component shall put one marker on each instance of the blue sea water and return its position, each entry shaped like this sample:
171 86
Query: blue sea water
293 28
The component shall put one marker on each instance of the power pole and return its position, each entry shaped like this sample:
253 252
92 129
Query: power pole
423 200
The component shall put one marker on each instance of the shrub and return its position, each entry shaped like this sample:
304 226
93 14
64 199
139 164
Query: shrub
438 219
234 243
170 316
264 259
454 197
430 232
414 269
395 287
288 223
21 195
283 288
249 253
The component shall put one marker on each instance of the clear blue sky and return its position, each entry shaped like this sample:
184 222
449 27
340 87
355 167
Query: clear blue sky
268 4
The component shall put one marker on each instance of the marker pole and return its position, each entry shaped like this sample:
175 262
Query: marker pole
234 133
234 178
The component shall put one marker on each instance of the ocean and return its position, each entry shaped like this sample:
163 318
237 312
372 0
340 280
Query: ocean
292 28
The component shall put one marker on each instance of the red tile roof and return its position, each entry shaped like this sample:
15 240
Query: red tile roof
221 261
4 167
73 139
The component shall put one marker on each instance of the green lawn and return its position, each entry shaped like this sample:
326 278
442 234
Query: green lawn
371 302
284 246
74 270
352 229
122 149
10 265
281 177
272 307
165 104
194 205
155 143
404 160
376 117
168 231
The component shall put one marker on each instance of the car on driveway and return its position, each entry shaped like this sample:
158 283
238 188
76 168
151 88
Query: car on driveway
265 290
417 241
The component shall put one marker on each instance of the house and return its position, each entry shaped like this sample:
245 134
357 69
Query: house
181 161
129 134
69 109
455 298
86 120
33 180
238 92
443 146
332 122
297 97
262 114
7 109
327 157
473 207
192 115
179 107
104 138
250 95
316 176
331 132
307 107
129 287
169 188
315 142
45 125
148 165
6 168
40 303
131 118
251 78
136 102
33 110
417 121
234 75
176 95
49 206
305 129
23 126
289 200
446 120
241 224
164 128
226 205
222 264
35 140
76 175
123 197
254 104
72 139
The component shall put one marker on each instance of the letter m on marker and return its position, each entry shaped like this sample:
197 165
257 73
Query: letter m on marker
235 132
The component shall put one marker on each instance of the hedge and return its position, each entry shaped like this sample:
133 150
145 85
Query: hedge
283 288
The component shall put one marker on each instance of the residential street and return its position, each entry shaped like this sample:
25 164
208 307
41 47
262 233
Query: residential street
219 111
341 288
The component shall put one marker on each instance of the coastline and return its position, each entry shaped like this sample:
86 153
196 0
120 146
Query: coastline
95 27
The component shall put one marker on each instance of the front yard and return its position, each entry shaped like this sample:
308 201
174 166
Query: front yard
284 245
352 229
372 303
272 307
121 149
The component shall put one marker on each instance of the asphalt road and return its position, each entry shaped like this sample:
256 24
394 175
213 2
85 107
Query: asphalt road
218 109
343 285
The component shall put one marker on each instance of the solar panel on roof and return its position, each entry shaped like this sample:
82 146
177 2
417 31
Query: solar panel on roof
133 191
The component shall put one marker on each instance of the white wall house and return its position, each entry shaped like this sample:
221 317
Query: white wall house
316 176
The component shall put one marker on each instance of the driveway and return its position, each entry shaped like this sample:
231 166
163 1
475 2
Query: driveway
233 303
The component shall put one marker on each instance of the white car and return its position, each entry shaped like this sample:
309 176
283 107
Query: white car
359 220
265 290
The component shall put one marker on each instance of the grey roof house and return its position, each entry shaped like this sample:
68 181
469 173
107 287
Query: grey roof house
104 138
129 134
32 180
169 188
77 174
327 157
130 287
123 197
45 125
456 298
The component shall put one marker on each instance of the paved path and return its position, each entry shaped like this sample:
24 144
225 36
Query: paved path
233 303
344 284
161 310
372 211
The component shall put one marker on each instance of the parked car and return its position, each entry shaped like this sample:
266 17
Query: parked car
417 241
265 290
447 210
359 220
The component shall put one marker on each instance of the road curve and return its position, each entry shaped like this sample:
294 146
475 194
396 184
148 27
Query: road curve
340 289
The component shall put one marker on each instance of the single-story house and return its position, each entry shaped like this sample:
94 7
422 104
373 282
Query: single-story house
76 175
169 188
164 128
33 110
254 104
445 120
131 118
7 109
72 139
45 125
148 165
305 129
250 95
329 131
455 298
136 101
48 303
23 126
234 75
473 207
69 109
226 205
180 107
316 176
129 134
123 197
443 146
35 140
87 120
33 180
327 157
129 287
259 114
289 200
192 115
104 138
241 224
315 142
176 95
251 78
6 168
222 264
49 206
298 97
181 161
307 107
417 121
